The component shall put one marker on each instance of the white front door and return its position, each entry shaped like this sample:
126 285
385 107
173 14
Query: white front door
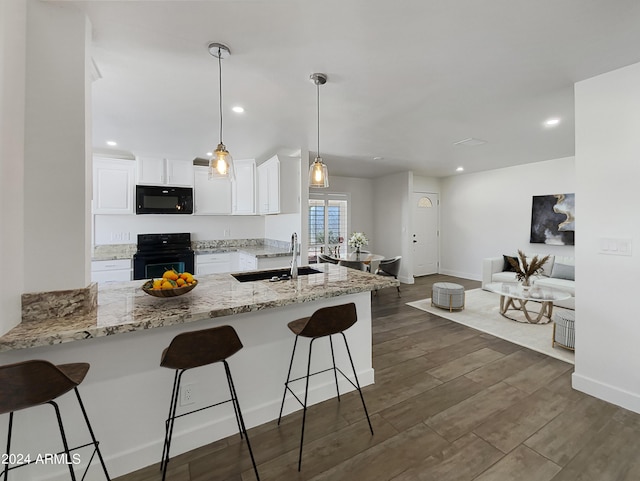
425 234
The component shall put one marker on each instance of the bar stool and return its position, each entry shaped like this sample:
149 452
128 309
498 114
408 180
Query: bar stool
36 382
196 349
326 321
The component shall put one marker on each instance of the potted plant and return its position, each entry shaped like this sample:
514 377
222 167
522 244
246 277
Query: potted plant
357 240
524 270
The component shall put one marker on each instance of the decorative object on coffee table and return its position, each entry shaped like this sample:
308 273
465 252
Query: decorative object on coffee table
564 334
447 295
525 269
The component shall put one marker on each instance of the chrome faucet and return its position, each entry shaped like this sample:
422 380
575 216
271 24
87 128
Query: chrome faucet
294 261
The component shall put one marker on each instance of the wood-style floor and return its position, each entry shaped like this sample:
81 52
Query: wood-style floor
449 403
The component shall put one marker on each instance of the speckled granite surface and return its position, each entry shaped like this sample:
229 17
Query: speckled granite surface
124 307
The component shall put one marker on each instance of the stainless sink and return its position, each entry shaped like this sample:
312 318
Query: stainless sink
273 274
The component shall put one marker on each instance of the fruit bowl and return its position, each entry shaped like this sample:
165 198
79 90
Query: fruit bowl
176 291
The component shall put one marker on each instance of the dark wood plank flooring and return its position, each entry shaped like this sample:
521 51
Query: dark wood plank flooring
449 403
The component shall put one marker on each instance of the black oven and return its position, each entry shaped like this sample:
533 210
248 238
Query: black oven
160 252
154 199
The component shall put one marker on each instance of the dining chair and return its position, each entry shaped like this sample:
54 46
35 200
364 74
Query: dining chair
327 259
390 267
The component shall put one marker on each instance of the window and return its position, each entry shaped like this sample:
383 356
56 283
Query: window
327 224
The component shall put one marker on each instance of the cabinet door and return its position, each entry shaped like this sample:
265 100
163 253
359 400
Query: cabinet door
263 190
179 172
151 171
269 186
211 197
243 188
113 183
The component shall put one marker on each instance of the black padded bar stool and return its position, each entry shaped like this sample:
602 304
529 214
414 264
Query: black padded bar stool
326 321
195 349
32 383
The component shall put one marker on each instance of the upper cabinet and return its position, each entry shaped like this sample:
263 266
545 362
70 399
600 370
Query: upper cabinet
210 197
243 188
269 186
113 185
157 171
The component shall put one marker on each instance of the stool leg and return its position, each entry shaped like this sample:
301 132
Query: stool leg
357 383
240 419
166 423
6 468
93 437
64 440
286 384
335 372
304 406
171 422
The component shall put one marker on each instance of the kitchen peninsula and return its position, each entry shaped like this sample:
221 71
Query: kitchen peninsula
127 393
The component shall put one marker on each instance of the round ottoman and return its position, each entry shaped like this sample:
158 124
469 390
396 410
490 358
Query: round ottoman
447 295
564 333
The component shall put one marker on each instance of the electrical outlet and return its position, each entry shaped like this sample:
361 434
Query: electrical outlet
187 394
227 232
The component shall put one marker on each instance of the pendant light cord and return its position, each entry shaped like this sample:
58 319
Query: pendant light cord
220 84
318 102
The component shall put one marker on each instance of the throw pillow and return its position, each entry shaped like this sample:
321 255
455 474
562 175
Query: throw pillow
507 267
563 271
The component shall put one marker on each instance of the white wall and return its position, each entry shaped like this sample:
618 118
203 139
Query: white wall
361 214
608 169
201 227
392 214
56 204
12 98
488 214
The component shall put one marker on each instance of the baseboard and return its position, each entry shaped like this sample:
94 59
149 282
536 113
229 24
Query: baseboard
606 392
463 275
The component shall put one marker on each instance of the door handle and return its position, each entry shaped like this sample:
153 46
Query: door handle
415 241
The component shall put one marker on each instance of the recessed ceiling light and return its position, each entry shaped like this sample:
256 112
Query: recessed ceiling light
237 109
378 158
470 141
551 122
112 143
459 169
209 154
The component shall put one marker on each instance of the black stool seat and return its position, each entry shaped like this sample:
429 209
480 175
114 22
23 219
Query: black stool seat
36 382
196 349
325 322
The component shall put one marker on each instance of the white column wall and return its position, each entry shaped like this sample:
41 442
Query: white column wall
55 158
361 214
607 170
392 213
488 214
12 98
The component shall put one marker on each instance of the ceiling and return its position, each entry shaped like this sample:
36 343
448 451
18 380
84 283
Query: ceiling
407 78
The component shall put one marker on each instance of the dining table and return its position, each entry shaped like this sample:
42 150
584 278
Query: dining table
370 260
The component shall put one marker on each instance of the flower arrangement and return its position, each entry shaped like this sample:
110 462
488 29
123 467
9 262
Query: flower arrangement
524 269
358 239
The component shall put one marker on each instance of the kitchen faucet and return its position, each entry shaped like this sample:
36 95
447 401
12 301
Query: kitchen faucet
294 261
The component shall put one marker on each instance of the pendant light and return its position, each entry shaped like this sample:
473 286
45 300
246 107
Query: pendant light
221 164
318 174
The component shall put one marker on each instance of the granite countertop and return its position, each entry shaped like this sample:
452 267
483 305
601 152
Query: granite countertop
257 251
124 307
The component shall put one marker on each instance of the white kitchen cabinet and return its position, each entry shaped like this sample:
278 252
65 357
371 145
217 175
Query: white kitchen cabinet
158 171
113 186
243 188
247 262
210 197
113 270
269 186
213 263
275 262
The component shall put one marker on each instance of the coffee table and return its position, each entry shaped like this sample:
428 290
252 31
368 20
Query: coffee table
514 298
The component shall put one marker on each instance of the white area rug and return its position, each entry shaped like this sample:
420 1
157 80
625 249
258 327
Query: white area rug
482 312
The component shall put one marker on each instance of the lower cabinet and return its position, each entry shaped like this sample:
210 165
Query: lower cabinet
247 262
213 263
109 271
274 262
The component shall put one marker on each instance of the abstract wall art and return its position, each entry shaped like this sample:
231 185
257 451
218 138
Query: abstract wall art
553 219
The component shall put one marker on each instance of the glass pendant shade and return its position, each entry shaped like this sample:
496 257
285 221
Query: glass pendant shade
221 164
318 174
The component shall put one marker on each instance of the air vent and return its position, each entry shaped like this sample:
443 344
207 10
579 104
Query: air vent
471 142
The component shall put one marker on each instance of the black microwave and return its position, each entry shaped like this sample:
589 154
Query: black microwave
157 199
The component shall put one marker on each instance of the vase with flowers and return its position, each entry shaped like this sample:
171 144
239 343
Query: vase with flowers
526 268
357 240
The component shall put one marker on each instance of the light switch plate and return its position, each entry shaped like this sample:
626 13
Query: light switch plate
615 246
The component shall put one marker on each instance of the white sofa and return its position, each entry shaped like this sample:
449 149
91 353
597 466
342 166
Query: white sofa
561 278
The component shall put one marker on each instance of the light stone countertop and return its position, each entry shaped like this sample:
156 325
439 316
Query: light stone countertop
124 307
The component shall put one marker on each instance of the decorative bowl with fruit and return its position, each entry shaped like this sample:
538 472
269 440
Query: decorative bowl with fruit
171 284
